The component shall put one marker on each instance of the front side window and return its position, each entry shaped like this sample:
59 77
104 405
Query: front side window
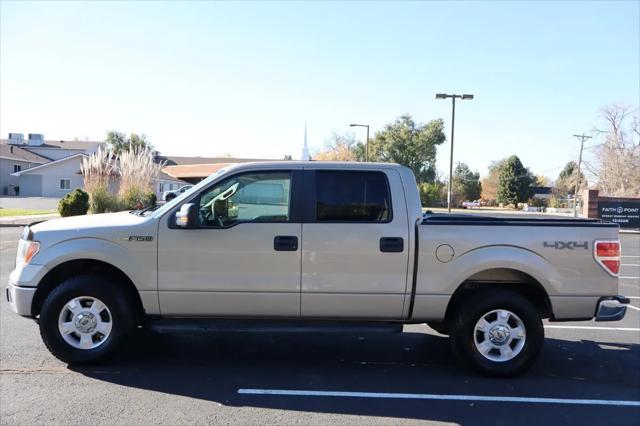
251 197
65 183
346 196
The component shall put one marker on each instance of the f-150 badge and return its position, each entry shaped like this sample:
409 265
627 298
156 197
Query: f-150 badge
138 238
561 245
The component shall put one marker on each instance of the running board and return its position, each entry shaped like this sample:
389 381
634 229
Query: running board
271 326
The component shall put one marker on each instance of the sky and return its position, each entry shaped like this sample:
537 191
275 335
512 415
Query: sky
214 78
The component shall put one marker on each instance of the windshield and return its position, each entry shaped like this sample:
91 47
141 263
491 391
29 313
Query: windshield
186 194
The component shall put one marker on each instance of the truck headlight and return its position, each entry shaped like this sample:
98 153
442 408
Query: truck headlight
26 251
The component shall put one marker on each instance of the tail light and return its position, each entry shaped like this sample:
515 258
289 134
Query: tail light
607 254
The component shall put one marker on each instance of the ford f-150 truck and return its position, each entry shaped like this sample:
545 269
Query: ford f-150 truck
314 246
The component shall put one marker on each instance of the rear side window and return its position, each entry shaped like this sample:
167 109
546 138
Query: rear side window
346 196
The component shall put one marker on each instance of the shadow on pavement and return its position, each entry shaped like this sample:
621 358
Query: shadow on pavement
213 367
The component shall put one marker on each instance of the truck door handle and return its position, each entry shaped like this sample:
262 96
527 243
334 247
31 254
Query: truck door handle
391 244
285 243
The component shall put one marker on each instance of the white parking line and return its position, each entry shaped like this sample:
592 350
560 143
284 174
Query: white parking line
633 307
481 398
580 327
635 257
630 278
632 297
630 264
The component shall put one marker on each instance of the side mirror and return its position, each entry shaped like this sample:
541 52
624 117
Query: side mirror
187 216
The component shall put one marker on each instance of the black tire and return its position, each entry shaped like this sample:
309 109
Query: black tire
440 327
480 303
122 318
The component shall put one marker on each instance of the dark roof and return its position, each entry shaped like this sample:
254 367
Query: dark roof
172 160
541 190
14 152
79 145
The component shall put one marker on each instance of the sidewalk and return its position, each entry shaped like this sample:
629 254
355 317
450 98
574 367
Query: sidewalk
25 220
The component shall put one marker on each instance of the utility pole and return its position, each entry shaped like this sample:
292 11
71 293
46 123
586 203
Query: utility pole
582 138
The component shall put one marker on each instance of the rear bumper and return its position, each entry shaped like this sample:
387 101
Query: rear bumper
20 299
611 308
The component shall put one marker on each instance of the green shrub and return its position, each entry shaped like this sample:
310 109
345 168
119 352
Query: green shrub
431 193
150 200
131 199
102 201
75 203
537 202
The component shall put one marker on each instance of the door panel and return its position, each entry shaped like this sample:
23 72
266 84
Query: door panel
345 274
231 265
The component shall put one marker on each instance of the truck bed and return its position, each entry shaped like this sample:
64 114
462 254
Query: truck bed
555 255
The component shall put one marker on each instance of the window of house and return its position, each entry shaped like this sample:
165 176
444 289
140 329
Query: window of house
346 196
65 184
17 168
161 187
251 197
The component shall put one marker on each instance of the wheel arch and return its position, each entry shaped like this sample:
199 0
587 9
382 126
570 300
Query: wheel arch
75 267
508 278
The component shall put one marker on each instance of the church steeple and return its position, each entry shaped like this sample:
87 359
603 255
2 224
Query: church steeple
305 149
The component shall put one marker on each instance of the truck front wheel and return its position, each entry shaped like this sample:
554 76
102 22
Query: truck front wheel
497 332
85 319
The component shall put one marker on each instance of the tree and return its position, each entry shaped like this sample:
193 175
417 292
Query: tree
515 181
432 194
490 183
542 180
341 148
466 184
566 183
414 145
617 165
117 142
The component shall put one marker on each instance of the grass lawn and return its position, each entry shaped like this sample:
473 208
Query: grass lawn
24 212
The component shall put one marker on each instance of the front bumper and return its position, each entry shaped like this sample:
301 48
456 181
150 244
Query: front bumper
20 299
611 308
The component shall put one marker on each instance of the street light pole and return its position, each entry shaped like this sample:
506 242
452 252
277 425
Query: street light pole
366 155
453 121
582 138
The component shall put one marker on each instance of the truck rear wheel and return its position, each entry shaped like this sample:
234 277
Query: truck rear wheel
497 332
85 319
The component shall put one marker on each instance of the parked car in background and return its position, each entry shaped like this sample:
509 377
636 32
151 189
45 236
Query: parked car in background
471 205
170 195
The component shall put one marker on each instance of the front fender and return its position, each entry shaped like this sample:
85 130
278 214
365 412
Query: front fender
138 268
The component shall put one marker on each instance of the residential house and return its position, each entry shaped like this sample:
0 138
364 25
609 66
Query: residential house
14 159
541 192
53 166
53 179
166 182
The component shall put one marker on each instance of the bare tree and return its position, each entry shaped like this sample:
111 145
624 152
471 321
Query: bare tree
617 165
340 148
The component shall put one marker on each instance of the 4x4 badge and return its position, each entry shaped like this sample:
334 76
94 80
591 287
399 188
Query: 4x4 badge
561 245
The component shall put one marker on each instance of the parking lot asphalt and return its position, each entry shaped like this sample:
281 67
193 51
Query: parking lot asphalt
401 378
